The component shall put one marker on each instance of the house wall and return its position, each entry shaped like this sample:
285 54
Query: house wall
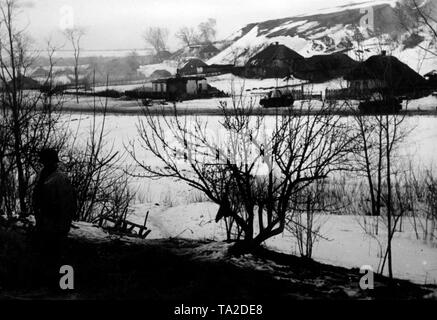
204 85
367 84
159 87
177 88
196 86
192 87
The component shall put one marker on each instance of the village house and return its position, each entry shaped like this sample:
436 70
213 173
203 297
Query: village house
160 74
322 68
275 61
384 73
180 87
193 67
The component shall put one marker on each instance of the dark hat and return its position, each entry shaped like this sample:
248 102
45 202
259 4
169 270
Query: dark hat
48 156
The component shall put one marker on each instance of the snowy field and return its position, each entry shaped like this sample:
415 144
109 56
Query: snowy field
419 147
145 85
177 210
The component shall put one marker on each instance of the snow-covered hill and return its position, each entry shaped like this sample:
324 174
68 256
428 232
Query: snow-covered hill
340 29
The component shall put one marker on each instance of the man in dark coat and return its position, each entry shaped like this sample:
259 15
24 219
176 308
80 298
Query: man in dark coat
54 205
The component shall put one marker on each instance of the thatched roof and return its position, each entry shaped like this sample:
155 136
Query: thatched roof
320 68
194 63
389 69
161 73
274 53
210 48
190 67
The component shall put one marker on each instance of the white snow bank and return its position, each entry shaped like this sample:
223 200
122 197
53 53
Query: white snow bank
349 245
88 231
426 103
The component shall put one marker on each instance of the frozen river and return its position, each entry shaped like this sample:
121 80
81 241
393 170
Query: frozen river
420 145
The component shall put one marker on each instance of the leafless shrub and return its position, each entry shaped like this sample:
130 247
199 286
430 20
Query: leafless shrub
25 128
74 36
167 199
301 149
101 184
420 196
196 197
30 121
309 212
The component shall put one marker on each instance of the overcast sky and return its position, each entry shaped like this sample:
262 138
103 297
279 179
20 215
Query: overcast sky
118 24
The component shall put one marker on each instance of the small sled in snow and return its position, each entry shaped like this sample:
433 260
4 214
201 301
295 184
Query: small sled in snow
125 227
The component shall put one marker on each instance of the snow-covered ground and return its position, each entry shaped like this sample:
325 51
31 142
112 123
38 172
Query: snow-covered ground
347 244
419 144
177 210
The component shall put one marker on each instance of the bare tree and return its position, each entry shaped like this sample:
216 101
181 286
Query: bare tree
187 36
379 136
157 37
102 187
207 30
249 172
25 127
308 214
48 87
28 124
74 36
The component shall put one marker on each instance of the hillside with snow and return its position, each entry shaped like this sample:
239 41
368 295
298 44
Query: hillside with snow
340 29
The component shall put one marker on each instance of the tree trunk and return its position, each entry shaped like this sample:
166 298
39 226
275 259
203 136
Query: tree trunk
389 202
76 79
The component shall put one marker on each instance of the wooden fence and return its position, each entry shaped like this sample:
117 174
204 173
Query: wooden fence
306 95
349 94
